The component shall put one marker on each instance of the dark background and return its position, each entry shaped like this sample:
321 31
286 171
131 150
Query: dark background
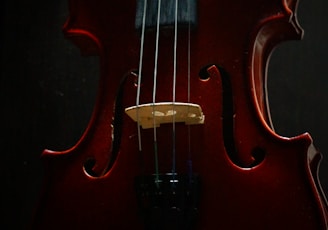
47 93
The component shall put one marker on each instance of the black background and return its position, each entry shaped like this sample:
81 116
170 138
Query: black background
47 93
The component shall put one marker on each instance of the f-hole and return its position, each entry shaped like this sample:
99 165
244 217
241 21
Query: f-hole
258 154
116 133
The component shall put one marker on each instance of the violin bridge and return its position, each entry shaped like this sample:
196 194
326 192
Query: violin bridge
154 114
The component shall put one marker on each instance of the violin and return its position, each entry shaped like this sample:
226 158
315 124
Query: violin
181 135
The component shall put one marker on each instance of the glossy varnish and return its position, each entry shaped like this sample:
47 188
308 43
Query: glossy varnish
240 174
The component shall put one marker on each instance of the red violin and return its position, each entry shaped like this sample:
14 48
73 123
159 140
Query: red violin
181 137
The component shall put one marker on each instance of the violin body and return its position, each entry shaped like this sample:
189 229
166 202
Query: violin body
232 171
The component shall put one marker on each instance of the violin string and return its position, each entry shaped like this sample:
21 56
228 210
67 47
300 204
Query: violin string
189 48
174 90
154 93
140 72
189 90
189 51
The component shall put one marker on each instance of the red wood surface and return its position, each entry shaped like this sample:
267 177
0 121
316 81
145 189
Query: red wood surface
281 192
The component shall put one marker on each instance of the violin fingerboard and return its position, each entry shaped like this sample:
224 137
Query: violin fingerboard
187 13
